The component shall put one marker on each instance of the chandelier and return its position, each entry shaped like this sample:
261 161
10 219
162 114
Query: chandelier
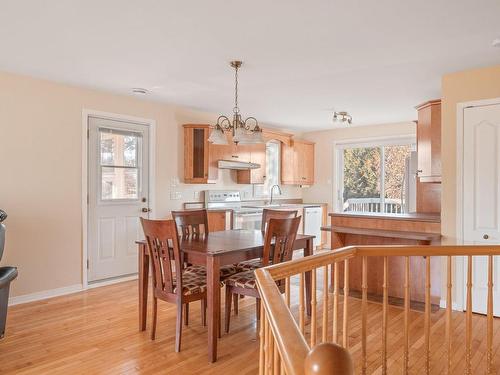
343 117
245 131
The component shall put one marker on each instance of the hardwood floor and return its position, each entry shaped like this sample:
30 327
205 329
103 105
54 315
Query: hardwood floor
95 332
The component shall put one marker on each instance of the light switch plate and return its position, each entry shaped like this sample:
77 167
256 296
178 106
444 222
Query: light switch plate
174 181
196 195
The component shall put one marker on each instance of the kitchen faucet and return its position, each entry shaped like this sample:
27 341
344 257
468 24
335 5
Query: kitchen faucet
272 190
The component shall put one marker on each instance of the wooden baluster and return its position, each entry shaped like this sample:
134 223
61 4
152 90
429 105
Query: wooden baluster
449 285
270 362
385 302
313 309
276 363
345 323
324 336
287 291
266 346
427 321
336 303
468 319
263 318
489 328
301 304
406 316
364 312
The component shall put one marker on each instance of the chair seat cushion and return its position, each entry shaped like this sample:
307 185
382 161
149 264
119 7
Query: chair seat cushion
192 284
7 274
248 265
245 279
225 271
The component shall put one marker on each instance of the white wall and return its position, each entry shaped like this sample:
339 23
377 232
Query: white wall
40 166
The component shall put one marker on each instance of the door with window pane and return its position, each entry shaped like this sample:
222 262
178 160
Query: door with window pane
375 178
118 195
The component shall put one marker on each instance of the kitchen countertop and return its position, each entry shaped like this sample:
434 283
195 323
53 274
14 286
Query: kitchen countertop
435 218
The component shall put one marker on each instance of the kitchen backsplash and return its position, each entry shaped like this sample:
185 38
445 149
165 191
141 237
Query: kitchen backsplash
180 193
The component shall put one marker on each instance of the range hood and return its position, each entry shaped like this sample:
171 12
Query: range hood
237 165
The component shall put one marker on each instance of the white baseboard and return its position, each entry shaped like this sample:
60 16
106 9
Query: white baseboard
98 284
45 294
454 306
38 296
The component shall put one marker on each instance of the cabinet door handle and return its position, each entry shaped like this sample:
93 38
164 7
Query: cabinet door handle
485 236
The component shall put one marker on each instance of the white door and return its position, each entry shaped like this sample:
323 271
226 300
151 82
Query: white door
118 195
481 206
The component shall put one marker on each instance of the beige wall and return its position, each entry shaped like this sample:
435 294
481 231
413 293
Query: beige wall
40 166
322 190
457 88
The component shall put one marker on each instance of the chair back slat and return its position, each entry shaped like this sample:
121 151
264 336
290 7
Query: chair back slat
279 238
268 214
191 222
163 246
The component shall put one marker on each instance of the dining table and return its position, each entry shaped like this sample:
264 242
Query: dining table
216 249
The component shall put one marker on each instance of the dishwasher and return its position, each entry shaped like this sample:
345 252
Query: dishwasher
312 223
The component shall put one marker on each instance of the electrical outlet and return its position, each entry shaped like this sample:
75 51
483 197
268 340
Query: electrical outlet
196 195
175 195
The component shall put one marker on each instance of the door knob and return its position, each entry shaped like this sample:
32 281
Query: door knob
146 209
485 236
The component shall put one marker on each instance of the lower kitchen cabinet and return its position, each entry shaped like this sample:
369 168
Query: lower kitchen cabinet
218 220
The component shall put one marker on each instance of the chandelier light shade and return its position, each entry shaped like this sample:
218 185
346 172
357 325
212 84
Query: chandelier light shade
245 132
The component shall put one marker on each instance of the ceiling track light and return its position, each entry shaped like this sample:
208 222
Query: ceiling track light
342 117
242 130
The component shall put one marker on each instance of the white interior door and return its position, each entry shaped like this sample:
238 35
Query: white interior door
481 192
118 195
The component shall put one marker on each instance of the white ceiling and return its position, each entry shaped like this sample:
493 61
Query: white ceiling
375 59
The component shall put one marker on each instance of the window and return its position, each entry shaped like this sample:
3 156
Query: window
375 177
119 164
272 169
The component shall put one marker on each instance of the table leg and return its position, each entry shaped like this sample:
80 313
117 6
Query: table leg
213 305
143 285
308 250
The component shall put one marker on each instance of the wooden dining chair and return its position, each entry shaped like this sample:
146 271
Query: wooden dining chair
191 222
267 214
172 282
194 223
278 247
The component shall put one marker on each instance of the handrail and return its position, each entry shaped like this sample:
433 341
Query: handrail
291 343
289 338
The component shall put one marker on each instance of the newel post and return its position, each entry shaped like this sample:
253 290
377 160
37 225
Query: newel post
328 359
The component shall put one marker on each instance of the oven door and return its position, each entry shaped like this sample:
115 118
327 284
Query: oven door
250 221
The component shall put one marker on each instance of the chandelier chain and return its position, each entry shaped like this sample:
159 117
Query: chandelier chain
236 109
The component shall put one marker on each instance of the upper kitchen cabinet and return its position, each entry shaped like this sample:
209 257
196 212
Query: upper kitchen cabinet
297 163
199 155
429 141
256 154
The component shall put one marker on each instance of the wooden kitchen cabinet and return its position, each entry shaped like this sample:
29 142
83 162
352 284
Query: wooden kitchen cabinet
199 160
257 155
297 163
429 141
217 220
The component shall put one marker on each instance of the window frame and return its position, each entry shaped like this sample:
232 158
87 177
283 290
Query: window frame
338 164
138 167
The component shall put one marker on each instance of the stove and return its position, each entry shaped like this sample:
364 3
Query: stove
243 217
